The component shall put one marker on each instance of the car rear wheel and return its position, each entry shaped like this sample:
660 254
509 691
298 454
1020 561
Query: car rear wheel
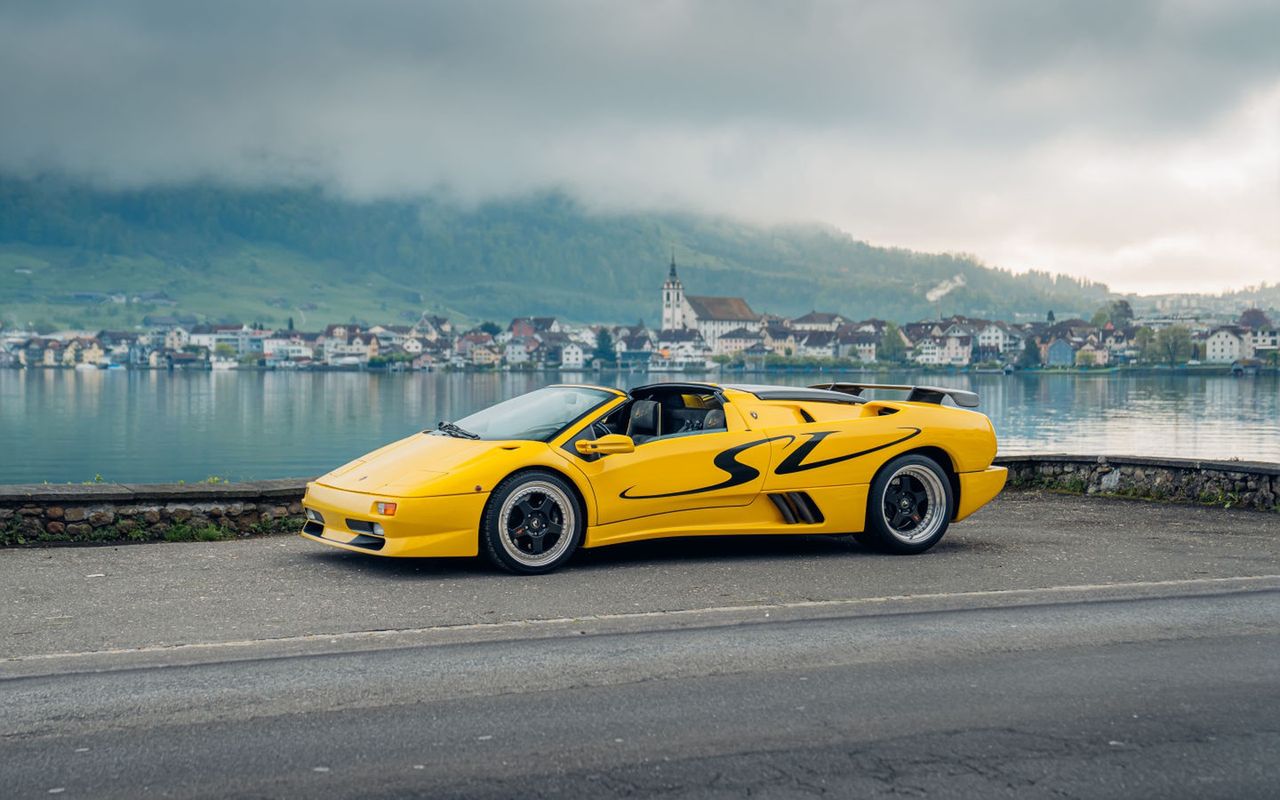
532 524
909 506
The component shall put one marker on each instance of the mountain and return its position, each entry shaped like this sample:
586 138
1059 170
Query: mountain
267 254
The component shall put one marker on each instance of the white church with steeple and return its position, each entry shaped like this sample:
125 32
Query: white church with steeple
710 316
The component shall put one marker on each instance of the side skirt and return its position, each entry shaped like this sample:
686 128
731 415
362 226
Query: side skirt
834 509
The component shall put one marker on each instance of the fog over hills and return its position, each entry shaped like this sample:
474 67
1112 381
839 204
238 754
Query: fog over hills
266 254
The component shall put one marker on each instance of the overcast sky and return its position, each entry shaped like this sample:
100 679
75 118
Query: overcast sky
1136 143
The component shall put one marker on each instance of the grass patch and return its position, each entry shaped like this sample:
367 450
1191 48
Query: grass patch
1218 498
180 532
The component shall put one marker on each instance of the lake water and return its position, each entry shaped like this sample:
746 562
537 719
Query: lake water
148 426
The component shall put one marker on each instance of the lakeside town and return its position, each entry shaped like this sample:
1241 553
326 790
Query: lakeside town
698 333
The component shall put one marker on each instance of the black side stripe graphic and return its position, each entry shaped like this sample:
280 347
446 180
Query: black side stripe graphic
726 461
793 462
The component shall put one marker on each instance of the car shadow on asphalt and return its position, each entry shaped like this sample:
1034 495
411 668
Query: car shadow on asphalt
673 551
718 549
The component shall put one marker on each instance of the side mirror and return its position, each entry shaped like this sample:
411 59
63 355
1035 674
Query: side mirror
606 445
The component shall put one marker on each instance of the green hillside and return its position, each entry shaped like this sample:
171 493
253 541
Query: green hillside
266 255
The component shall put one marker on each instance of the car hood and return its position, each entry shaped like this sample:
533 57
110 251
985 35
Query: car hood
404 467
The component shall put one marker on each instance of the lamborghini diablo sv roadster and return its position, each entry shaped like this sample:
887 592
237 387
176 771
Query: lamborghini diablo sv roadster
531 479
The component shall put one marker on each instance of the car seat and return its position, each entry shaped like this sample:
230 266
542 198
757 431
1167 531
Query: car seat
714 420
645 421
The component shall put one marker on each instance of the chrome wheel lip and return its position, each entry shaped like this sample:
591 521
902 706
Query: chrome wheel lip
936 497
554 494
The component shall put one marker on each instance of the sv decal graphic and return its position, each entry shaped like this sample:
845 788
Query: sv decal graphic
726 461
739 473
795 461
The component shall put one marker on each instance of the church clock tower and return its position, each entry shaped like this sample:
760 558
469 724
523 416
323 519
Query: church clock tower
673 300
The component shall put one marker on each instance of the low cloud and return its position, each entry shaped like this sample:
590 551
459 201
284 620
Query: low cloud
943 289
1134 143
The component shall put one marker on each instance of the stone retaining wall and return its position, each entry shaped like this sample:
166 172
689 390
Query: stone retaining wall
1231 484
111 513
41 514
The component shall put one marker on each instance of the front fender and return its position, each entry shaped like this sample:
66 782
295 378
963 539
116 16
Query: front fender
485 473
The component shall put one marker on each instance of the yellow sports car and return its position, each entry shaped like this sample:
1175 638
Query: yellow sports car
531 479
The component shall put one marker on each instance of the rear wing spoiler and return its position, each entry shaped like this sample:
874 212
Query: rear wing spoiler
917 394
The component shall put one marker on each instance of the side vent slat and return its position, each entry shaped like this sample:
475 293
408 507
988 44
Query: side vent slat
788 516
815 513
797 508
802 510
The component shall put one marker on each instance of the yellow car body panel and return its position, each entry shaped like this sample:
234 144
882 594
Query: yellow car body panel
844 508
688 484
657 477
425 526
979 488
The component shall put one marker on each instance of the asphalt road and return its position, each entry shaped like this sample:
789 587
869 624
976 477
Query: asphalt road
1054 647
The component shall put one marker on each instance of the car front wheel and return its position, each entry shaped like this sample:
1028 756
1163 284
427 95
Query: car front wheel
909 506
532 524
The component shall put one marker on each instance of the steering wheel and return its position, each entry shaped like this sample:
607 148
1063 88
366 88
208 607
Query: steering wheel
599 429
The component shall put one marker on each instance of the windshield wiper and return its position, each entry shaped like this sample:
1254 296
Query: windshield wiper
449 429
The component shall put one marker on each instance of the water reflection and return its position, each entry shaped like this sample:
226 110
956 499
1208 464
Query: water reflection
58 425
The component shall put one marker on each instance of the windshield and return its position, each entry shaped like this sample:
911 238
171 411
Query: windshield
538 415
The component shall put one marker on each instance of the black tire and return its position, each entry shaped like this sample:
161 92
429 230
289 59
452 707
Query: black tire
907 510
532 523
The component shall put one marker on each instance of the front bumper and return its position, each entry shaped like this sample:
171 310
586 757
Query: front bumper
422 526
979 488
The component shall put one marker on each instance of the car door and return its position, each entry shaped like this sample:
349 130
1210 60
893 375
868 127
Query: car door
834 453
712 469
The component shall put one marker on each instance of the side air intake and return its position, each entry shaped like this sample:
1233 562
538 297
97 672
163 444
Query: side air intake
797 508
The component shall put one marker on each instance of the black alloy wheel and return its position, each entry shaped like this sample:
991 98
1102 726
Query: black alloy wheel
909 506
532 523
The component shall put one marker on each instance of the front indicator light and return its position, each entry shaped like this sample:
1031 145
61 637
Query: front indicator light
385 509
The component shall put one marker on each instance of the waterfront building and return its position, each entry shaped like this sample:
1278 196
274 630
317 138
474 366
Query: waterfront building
998 340
1261 336
392 334
916 332
679 349
354 350
711 316
736 341
818 344
484 355
1091 355
572 356
818 321
534 326
1264 343
778 337
433 328
1058 353
520 349
1226 345
632 347
857 344
937 351
476 338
